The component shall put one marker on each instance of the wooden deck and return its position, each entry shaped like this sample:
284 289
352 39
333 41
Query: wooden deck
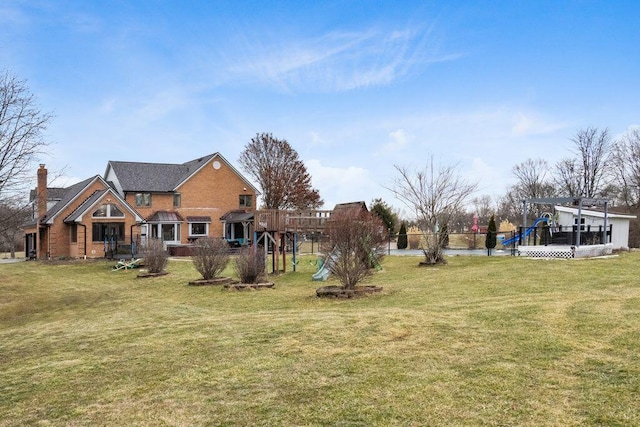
295 221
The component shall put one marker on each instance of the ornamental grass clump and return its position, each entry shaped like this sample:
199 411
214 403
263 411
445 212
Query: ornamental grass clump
249 266
210 257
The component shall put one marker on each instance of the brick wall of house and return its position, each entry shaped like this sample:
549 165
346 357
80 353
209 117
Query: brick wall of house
96 249
59 236
56 241
218 190
210 192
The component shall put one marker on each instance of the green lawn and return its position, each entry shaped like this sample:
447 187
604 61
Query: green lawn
482 341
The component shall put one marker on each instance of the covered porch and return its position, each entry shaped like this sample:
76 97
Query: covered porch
237 227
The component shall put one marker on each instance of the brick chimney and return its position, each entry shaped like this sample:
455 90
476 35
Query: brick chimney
41 192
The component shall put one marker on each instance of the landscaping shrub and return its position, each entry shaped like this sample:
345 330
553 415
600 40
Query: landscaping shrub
357 239
491 238
402 237
155 256
249 266
210 257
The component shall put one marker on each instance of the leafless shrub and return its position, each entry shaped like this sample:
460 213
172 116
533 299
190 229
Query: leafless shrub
249 266
155 257
210 257
357 238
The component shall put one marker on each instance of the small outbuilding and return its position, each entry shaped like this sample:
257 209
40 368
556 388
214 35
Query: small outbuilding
568 217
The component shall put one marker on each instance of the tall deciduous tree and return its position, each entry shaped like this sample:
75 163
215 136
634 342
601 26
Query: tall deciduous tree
22 126
12 215
626 161
533 181
483 208
586 174
283 178
434 193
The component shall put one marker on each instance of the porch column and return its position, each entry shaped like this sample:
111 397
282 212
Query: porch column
579 222
603 239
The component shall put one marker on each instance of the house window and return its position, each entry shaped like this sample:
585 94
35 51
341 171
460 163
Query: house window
107 230
108 210
245 200
197 229
143 199
74 233
177 200
167 232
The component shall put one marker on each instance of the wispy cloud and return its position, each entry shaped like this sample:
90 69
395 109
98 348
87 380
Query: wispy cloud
337 61
526 124
398 140
341 184
11 15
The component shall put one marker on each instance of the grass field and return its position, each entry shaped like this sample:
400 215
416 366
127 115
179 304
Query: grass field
482 341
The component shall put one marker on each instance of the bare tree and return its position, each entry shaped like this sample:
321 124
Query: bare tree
434 194
22 125
532 182
12 216
626 163
510 206
281 175
568 178
357 239
590 169
483 207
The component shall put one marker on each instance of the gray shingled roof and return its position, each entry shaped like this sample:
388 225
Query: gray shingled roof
155 177
70 193
53 193
84 205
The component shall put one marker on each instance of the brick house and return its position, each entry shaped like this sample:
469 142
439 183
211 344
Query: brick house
77 221
177 203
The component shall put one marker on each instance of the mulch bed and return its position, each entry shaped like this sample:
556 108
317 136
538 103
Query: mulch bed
340 292
249 286
147 275
229 283
212 282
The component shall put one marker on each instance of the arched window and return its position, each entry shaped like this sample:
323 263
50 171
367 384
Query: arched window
108 210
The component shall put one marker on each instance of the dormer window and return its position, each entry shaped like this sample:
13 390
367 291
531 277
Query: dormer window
108 210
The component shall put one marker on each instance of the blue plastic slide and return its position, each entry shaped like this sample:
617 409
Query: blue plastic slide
528 231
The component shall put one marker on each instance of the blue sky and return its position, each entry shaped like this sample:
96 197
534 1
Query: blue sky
356 87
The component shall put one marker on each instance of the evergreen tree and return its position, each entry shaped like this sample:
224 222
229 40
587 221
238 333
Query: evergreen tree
402 237
385 213
492 234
